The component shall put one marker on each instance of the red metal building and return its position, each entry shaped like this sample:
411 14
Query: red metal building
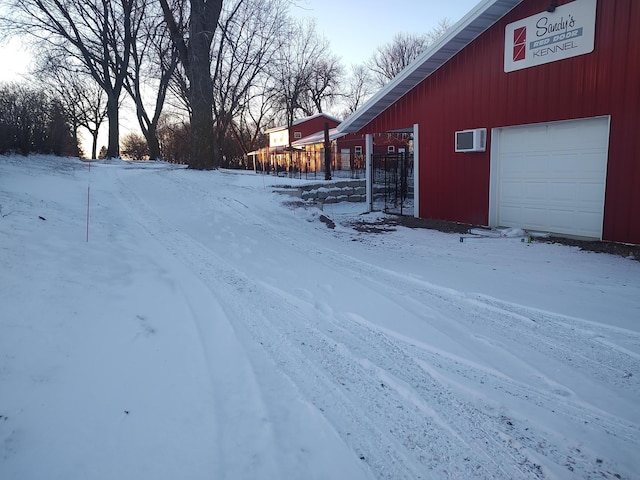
278 156
526 113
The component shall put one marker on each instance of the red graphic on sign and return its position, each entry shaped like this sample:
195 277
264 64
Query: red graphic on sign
519 43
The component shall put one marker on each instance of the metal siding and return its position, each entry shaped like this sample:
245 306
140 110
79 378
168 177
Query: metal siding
472 90
312 126
622 200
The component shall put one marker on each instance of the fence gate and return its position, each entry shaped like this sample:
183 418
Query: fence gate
392 182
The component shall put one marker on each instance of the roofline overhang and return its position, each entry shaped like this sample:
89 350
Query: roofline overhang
473 24
318 137
301 120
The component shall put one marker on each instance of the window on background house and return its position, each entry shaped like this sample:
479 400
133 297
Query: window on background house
357 150
297 134
391 149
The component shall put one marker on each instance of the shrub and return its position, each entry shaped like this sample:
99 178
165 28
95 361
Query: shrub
134 147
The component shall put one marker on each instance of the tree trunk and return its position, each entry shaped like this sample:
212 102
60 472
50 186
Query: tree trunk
195 57
152 143
201 96
94 145
113 147
202 157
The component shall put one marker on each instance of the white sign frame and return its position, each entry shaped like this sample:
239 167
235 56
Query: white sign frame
547 37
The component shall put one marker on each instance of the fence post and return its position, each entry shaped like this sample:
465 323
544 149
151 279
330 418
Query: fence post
368 155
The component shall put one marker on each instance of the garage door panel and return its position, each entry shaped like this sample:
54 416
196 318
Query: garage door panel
551 177
591 193
563 192
511 215
534 190
512 191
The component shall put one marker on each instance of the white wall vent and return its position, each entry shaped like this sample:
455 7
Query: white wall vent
471 140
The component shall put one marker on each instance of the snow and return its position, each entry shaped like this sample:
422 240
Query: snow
212 328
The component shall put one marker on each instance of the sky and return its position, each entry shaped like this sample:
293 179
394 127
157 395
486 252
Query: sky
15 61
356 28
162 323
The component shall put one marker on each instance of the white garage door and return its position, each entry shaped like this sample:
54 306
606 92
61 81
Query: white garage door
551 176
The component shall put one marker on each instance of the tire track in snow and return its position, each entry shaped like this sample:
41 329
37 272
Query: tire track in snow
236 428
364 436
518 433
554 336
355 374
560 338
410 438
557 336
579 341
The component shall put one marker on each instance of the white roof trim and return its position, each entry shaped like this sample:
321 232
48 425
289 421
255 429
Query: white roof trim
474 23
318 137
302 120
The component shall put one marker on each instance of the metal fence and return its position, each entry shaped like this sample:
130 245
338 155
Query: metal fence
392 182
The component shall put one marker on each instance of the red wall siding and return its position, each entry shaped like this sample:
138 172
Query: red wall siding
311 126
380 142
472 90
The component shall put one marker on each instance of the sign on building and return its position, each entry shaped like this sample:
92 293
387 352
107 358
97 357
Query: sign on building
547 37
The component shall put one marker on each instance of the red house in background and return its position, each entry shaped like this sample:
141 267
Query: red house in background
526 113
301 148
278 156
347 150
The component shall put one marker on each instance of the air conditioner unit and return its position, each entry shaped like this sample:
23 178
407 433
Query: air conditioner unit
471 140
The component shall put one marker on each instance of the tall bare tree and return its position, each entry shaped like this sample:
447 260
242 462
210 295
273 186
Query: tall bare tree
296 66
256 114
393 57
323 83
95 32
249 36
193 41
82 99
358 89
153 62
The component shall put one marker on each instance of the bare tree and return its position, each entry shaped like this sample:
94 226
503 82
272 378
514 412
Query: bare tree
256 114
174 136
440 29
393 57
248 38
135 147
153 62
322 83
91 109
32 120
194 45
359 88
295 67
81 97
95 32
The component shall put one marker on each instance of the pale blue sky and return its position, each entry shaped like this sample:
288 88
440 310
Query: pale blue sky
356 27
14 60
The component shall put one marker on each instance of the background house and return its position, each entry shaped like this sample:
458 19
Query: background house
280 155
526 113
347 150
300 149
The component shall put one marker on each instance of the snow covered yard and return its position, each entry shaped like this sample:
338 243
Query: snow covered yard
208 329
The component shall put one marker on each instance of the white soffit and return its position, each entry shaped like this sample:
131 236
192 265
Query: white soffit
478 20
